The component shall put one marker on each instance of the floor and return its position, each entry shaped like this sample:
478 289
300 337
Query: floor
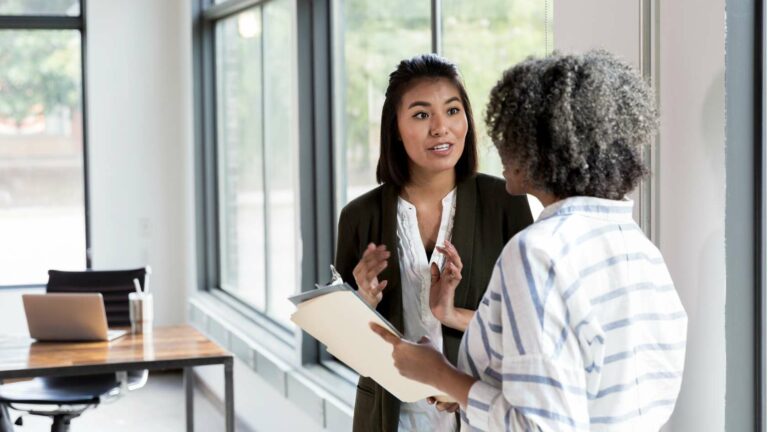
156 407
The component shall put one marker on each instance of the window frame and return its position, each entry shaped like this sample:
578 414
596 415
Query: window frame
313 148
761 213
63 22
315 23
745 218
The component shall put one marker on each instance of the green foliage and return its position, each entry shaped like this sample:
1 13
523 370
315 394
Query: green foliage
39 7
40 72
484 37
376 36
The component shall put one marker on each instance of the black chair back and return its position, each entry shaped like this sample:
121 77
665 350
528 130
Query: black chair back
114 286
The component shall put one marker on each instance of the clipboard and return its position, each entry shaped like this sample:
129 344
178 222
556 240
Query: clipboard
339 318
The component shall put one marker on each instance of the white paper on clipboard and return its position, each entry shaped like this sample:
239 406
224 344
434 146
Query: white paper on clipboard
336 316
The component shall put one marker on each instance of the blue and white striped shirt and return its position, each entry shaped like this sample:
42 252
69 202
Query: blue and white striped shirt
580 328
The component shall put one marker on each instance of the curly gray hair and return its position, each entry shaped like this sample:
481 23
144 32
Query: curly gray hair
575 124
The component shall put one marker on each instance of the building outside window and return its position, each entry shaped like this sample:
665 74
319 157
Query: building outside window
42 176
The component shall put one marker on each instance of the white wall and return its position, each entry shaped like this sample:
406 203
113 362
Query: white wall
140 143
12 319
598 24
692 197
692 171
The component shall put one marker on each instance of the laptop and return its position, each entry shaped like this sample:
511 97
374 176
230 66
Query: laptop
68 317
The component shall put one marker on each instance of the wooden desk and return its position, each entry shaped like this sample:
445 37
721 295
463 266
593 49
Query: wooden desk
166 348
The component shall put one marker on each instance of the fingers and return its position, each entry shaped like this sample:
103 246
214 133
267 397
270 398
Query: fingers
451 254
379 287
374 254
385 334
374 268
453 265
450 407
434 272
451 273
373 262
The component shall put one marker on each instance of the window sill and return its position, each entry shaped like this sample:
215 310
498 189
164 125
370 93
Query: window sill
323 395
22 287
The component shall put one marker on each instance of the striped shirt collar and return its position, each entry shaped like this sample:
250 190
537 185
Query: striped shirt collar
617 210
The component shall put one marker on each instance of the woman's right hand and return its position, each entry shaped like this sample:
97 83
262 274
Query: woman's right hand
366 273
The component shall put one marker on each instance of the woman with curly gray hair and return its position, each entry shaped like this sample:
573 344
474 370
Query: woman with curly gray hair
580 327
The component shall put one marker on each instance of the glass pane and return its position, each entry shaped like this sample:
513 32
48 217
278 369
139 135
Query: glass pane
370 39
258 156
506 32
42 218
40 7
281 149
240 156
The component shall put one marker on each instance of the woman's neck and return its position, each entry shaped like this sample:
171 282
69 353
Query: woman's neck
429 186
545 198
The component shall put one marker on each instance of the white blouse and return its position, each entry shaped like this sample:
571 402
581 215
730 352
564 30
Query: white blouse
415 280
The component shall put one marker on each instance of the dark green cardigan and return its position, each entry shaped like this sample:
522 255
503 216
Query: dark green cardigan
486 218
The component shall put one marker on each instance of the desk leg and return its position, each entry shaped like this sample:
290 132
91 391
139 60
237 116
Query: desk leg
229 396
189 395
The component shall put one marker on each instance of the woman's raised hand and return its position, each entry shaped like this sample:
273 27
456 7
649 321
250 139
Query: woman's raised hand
443 290
366 273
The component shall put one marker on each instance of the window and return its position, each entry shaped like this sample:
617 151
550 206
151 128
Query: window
40 8
370 38
256 152
506 32
264 144
42 177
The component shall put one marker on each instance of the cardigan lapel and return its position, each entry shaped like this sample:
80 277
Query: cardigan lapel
463 236
393 293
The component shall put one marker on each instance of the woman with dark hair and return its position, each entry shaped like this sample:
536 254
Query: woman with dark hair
580 327
431 204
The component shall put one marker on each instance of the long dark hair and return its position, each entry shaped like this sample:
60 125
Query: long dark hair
393 160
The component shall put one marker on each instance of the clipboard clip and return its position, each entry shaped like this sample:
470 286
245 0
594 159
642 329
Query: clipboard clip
335 277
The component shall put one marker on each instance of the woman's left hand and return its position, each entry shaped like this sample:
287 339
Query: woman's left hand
443 288
417 361
442 292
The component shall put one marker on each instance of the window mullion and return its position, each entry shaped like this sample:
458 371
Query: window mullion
27 22
84 122
265 167
436 21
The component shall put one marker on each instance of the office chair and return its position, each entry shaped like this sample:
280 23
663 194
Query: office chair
71 396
